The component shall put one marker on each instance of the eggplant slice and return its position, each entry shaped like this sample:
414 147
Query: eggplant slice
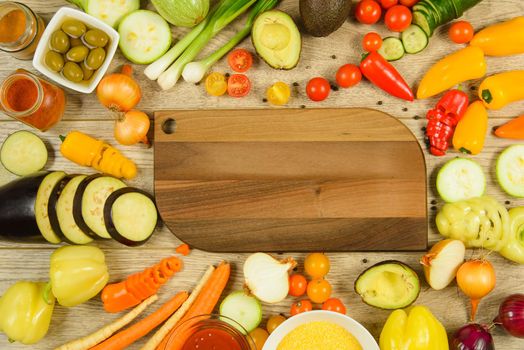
42 206
17 208
130 216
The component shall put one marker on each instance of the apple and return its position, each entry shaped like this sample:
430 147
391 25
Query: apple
442 262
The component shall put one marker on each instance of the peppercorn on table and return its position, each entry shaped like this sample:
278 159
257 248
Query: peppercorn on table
320 56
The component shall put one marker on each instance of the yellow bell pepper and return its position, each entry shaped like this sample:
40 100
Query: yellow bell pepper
77 274
470 132
419 330
462 65
501 39
514 249
25 311
501 89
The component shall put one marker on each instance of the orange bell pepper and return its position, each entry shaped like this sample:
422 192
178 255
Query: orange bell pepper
514 129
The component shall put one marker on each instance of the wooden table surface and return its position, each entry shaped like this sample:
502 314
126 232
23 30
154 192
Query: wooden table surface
320 56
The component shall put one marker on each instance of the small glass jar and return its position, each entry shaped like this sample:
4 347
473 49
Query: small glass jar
211 332
31 100
20 30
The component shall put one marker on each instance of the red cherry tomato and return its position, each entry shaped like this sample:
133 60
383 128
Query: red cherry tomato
238 85
398 18
368 12
300 307
348 75
240 60
334 304
408 3
371 42
388 3
318 89
461 32
297 285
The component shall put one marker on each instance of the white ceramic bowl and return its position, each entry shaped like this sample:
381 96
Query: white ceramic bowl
90 21
363 336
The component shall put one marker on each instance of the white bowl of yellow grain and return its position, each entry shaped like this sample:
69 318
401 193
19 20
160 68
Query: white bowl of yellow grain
320 329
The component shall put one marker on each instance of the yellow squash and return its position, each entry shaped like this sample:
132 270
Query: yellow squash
501 89
501 39
470 132
465 64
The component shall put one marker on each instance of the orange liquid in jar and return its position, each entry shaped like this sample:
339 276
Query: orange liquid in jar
12 26
211 339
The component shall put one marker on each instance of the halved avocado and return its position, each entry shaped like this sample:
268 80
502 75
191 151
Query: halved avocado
277 39
388 285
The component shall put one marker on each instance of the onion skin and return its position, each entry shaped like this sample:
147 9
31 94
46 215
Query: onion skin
119 91
132 127
511 315
472 337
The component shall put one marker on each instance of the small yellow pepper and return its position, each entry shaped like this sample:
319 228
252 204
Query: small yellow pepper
419 330
501 39
465 64
470 132
501 89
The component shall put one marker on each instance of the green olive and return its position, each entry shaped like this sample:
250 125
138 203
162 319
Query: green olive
74 28
73 72
59 42
88 73
96 38
76 42
54 61
77 53
95 58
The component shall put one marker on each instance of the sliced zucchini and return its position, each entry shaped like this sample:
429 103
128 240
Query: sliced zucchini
64 213
510 170
88 206
111 11
242 308
23 153
391 49
42 206
144 36
414 39
130 216
460 179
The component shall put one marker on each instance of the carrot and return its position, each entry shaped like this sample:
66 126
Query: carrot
204 304
138 330
183 249
173 320
102 334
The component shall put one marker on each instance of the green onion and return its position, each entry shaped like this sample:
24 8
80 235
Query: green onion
194 72
226 12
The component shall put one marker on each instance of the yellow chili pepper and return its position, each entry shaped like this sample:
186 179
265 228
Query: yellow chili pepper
470 132
462 65
501 89
501 39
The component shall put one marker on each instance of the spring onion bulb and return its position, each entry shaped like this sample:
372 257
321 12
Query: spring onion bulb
195 71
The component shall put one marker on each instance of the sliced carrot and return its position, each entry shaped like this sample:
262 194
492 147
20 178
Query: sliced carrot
183 249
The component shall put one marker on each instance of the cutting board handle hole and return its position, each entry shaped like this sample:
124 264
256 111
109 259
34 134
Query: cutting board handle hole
169 126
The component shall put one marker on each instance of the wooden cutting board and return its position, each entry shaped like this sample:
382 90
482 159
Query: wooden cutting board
290 180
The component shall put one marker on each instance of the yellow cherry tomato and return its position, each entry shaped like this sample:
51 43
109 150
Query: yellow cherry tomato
216 84
319 290
258 338
278 94
273 322
316 265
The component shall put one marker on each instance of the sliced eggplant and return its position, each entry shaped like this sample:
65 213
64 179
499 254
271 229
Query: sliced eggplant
51 207
88 206
130 216
42 205
17 208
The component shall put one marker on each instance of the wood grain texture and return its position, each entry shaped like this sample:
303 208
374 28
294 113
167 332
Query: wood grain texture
83 112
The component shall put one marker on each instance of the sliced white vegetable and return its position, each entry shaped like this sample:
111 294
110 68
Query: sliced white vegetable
23 153
510 170
243 309
460 179
111 11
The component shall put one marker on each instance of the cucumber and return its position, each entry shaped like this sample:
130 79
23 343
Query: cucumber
23 153
430 14
460 179
414 39
510 170
423 21
144 36
242 308
391 49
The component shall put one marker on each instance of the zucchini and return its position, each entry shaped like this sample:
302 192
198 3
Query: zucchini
108 11
510 170
391 49
23 153
414 39
460 179
430 14
130 216
42 206
242 311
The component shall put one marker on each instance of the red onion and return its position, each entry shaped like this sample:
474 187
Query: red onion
511 315
472 337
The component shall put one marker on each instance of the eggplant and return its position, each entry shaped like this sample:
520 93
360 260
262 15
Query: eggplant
130 216
51 206
17 208
42 206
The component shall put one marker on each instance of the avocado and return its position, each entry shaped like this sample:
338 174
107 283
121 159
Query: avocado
276 39
323 17
388 285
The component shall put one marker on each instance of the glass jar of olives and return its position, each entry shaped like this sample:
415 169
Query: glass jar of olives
32 100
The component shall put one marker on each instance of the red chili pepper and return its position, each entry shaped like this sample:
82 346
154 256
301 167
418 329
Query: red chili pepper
455 103
382 74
